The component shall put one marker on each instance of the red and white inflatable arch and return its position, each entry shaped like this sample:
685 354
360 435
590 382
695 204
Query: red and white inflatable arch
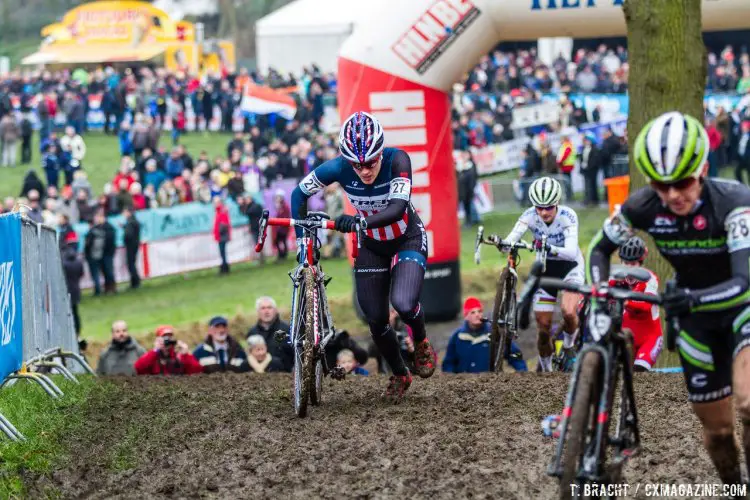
401 63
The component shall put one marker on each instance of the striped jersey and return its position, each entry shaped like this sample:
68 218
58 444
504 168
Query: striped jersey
391 186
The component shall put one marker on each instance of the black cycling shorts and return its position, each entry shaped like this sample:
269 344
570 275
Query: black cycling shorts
707 345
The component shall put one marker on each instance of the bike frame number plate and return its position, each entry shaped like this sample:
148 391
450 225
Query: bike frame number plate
599 324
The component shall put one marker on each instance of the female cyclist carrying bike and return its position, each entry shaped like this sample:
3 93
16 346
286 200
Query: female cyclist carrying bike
392 261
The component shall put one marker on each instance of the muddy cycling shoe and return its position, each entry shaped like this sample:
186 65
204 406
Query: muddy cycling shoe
397 386
424 359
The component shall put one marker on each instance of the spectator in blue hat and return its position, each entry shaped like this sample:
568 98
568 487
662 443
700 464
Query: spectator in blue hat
590 163
220 352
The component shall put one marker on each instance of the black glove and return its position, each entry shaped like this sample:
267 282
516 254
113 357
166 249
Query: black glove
677 303
346 223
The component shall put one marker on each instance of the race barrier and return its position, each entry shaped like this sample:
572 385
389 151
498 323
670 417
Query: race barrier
616 105
36 320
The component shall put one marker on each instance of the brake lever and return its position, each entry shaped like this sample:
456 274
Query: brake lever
262 232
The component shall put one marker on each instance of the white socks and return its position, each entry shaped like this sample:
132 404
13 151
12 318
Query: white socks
546 363
568 340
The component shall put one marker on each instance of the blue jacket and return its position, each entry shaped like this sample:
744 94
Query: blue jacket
126 143
155 178
234 358
469 352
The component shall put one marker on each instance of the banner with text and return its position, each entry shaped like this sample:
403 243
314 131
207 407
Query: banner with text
11 297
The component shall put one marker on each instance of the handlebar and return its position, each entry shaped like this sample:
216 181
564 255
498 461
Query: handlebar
319 220
602 291
497 242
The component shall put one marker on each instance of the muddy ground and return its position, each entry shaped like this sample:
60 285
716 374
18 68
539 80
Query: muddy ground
235 436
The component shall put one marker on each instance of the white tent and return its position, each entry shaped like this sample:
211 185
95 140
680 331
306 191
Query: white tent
306 32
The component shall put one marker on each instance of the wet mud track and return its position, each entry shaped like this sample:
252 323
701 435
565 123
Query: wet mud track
463 436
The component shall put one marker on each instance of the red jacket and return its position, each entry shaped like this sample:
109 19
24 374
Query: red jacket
178 364
139 202
714 138
119 177
222 217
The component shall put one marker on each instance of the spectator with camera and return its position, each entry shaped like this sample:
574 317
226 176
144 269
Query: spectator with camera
121 354
221 352
469 346
260 360
168 357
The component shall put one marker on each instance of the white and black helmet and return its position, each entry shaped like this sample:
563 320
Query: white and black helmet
545 192
671 147
361 138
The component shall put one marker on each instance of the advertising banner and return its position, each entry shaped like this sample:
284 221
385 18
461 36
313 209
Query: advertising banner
11 297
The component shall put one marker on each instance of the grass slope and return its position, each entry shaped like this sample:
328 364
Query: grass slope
45 423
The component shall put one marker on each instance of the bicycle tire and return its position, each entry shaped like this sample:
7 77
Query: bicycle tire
582 421
316 393
497 334
304 360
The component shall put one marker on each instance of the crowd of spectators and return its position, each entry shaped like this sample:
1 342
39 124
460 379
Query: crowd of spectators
137 103
268 349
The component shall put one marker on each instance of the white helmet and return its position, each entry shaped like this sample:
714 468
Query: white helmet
545 192
361 138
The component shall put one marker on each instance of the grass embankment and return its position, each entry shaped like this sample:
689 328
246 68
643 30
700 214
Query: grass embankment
45 423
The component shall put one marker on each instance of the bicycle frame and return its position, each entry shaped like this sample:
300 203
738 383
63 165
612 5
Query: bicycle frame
614 354
310 246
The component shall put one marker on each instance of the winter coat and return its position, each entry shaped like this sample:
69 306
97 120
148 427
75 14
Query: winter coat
283 351
132 232
108 233
270 364
208 356
73 270
222 225
469 351
340 341
153 363
120 358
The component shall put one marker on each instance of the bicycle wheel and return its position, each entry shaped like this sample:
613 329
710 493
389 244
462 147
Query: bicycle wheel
582 423
304 353
497 332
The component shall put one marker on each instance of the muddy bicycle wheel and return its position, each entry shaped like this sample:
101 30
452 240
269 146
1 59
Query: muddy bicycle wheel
498 333
304 354
582 423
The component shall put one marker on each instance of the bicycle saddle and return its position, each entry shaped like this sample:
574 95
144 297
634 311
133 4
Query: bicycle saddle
633 273
318 215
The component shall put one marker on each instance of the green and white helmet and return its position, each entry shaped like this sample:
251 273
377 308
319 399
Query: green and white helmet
671 148
545 192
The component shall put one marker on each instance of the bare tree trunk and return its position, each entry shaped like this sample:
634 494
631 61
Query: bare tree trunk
667 60
667 63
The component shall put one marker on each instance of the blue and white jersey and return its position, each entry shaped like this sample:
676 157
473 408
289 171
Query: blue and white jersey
392 183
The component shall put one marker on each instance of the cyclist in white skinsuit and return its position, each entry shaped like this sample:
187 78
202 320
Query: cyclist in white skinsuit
564 261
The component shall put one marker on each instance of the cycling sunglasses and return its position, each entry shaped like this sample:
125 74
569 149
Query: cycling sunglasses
663 187
546 209
366 165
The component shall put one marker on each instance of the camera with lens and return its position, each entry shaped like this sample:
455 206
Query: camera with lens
169 342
